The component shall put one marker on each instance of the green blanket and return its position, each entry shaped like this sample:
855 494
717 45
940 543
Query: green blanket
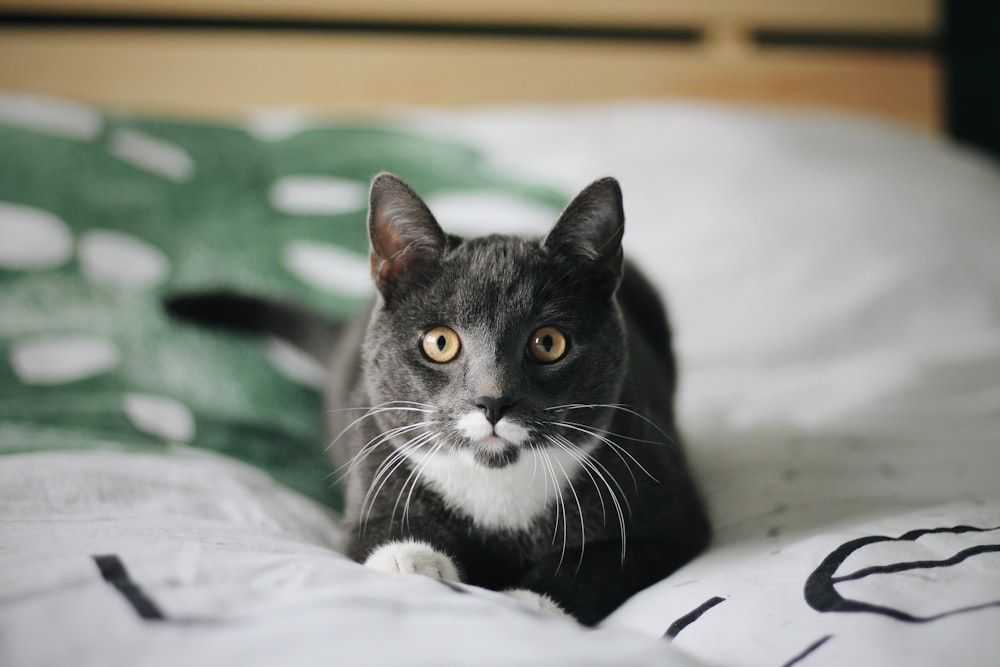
98 222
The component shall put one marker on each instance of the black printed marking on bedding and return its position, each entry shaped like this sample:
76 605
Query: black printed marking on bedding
821 594
918 564
113 571
808 651
690 617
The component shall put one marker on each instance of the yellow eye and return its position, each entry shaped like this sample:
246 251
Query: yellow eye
547 345
441 344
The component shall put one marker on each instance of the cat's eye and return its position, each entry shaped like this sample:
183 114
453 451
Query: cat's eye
547 345
441 345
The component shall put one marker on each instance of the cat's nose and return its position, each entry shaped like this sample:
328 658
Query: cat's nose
493 407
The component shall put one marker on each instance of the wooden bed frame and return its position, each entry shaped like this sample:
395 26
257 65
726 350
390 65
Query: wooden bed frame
221 58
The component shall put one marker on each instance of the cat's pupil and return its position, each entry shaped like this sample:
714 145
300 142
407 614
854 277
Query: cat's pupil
441 343
548 342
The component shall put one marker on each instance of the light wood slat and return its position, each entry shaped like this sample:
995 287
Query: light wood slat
917 16
225 74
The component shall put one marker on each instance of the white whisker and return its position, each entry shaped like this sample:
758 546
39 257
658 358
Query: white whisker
615 406
560 504
579 508
388 406
612 433
534 467
375 442
597 467
406 404
386 470
601 468
618 449
581 458
415 476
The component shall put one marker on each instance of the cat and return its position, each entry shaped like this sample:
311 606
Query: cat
503 410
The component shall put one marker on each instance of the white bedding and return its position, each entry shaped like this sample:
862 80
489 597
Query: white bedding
835 288
240 571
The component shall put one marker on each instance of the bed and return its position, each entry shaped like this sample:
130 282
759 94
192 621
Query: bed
829 260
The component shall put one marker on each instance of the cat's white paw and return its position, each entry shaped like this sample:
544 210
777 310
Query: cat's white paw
537 601
412 557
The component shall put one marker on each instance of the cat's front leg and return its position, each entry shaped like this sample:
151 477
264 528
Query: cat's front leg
603 580
429 549
537 601
410 556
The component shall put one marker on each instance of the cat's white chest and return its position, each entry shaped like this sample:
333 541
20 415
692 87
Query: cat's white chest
509 498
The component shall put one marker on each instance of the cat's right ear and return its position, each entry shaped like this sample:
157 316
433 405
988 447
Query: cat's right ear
406 240
590 231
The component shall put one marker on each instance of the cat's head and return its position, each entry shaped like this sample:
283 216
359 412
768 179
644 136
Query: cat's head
483 346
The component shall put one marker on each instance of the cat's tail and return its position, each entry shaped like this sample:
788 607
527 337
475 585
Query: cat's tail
305 329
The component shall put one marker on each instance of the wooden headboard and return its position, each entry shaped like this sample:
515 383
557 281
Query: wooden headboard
218 58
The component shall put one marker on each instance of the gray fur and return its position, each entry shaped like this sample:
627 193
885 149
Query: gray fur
495 291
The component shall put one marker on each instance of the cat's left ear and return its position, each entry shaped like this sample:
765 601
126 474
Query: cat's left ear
591 229
406 240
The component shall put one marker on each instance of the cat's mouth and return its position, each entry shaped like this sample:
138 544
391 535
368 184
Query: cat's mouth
492 445
495 452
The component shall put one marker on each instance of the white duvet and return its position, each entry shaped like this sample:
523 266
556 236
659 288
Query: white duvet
835 288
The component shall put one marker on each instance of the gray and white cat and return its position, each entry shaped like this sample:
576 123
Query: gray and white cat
512 422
